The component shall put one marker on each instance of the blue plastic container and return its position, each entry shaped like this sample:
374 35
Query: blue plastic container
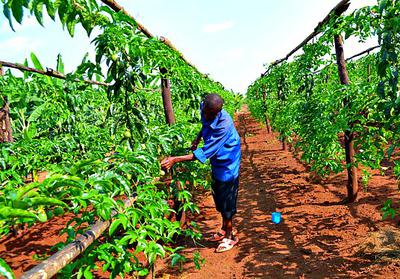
276 217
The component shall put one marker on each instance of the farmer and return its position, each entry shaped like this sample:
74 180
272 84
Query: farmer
222 147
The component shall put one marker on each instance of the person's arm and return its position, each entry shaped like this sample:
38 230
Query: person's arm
196 142
168 162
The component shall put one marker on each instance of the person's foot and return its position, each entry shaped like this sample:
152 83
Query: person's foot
227 244
220 235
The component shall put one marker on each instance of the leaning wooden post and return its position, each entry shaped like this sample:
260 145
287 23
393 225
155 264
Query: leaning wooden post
352 183
167 100
52 265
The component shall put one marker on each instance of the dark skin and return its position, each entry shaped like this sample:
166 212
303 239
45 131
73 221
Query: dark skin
209 114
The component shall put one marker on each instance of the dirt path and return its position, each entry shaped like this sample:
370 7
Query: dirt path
316 239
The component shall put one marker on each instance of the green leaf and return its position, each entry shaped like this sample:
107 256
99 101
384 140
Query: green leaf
26 73
36 62
5 270
114 226
71 22
177 258
18 10
50 9
47 201
88 274
60 64
37 113
25 189
7 13
38 11
7 212
143 272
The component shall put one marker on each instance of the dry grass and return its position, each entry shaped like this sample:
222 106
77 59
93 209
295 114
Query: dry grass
383 245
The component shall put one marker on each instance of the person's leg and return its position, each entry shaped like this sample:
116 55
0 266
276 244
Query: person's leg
228 228
230 207
223 224
216 193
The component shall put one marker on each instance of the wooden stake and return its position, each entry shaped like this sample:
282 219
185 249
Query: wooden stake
352 183
167 100
264 98
59 260
5 122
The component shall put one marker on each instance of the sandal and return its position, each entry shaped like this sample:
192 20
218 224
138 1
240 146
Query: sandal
218 236
226 245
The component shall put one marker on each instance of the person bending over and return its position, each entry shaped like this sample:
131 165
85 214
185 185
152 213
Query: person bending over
222 148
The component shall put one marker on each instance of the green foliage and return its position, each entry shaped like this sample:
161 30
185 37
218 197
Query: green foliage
310 108
198 260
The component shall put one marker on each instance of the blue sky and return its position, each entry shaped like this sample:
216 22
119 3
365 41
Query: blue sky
230 40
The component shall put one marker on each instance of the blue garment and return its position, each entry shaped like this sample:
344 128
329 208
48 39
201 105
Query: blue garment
221 146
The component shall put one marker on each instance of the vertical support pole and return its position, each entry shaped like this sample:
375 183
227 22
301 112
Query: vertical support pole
352 183
5 122
9 137
170 119
167 100
264 98
280 97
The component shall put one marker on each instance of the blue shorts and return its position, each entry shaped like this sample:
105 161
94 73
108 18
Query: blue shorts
225 196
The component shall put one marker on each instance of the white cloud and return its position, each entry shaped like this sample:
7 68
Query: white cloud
218 27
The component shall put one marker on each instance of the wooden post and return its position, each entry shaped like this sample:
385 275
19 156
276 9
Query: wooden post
5 122
264 98
167 100
352 183
280 97
51 266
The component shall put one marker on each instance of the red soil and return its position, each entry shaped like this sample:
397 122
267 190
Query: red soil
316 239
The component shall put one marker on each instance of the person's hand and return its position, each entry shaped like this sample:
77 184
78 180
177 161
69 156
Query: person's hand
168 162
195 143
